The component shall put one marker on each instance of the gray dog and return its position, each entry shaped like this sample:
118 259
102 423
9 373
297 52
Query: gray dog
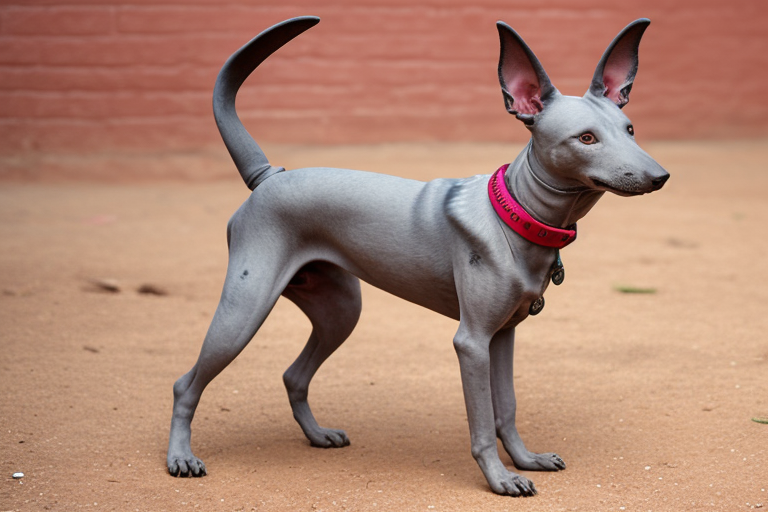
465 248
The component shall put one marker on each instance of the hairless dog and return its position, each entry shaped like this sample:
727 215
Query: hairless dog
480 250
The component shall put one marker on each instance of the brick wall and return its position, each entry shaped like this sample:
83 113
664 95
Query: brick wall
80 76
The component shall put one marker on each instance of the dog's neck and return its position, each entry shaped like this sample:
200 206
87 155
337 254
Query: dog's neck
540 194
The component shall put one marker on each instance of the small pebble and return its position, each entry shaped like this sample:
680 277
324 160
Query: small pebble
18 475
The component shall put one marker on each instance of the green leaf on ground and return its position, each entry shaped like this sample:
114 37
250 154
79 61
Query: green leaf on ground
633 289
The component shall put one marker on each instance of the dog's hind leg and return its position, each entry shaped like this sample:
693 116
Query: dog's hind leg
330 297
247 299
504 407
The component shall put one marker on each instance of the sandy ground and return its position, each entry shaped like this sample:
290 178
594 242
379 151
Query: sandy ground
648 397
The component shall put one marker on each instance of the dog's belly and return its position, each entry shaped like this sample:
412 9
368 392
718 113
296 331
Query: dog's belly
391 232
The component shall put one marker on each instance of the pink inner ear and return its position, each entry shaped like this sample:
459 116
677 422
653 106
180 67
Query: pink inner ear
527 95
619 69
521 80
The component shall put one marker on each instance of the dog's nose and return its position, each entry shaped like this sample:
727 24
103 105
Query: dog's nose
659 182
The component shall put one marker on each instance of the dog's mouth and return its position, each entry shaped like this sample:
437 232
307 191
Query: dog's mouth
618 191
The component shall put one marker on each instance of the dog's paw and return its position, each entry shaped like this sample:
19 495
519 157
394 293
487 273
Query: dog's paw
186 467
540 462
329 438
514 485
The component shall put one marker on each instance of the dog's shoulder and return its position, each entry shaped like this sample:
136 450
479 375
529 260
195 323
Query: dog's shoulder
470 213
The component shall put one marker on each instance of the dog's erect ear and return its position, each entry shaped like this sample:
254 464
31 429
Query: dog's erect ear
617 69
524 83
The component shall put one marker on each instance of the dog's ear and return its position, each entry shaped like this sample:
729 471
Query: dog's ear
617 69
524 83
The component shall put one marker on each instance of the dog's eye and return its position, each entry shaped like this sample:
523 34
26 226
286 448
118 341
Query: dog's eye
631 129
587 138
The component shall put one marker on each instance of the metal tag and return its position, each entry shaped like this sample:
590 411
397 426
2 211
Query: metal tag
536 306
558 276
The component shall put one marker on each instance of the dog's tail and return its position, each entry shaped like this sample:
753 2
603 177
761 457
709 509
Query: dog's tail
247 155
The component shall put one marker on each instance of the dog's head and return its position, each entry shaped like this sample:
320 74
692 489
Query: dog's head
587 141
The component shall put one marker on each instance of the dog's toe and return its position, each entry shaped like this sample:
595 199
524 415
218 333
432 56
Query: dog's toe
510 489
516 485
549 462
182 468
526 486
196 467
539 462
338 438
330 438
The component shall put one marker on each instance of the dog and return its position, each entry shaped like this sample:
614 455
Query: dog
480 250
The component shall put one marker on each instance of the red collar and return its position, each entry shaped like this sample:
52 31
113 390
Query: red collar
520 220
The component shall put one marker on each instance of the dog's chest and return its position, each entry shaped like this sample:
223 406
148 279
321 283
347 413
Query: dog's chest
532 275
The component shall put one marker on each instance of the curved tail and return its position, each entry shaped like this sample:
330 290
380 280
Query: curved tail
247 155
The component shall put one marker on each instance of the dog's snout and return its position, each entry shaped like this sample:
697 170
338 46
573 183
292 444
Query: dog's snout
659 182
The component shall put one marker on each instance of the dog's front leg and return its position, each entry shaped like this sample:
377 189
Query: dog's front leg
473 349
504 407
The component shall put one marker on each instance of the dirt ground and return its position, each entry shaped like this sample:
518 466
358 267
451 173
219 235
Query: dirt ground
649 398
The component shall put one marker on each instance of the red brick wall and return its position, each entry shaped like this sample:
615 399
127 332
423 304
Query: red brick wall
98 75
